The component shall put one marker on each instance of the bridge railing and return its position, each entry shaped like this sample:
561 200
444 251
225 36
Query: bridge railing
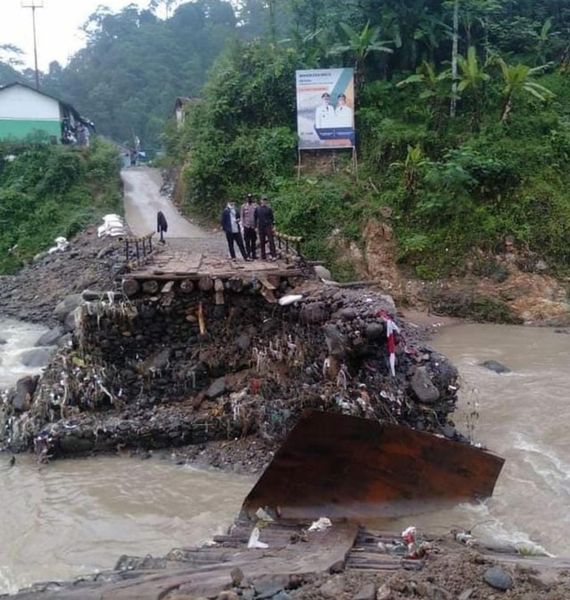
138 250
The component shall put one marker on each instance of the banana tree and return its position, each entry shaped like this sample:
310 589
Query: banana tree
359 45
431 81
519 79
543 39
472 79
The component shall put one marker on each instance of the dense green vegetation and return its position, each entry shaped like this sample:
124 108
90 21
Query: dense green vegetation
461 162
49 191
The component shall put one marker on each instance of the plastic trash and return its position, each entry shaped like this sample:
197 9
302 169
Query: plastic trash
263 515
61 245
320 524
290 299
254 540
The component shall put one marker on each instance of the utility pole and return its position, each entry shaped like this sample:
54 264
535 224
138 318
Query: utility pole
454 53
33 4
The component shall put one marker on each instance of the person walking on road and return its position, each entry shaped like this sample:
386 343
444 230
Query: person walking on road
230 225
161 225
248 216
265 225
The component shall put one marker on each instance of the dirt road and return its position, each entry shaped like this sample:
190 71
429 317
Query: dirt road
143 201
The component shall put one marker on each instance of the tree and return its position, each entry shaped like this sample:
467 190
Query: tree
361 45
519 79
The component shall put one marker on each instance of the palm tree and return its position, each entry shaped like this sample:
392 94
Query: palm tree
518 79
361 45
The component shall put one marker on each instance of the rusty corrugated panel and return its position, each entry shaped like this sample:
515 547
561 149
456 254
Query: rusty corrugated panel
348 467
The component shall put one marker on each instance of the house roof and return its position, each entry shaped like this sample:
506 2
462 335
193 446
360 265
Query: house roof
66 105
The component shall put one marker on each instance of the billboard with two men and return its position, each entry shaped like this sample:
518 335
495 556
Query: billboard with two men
325 109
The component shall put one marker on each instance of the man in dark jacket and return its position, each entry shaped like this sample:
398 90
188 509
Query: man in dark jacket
230 225
265 225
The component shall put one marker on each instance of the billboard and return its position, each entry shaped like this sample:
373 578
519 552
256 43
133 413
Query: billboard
325 108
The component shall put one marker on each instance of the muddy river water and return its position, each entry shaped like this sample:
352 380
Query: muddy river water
78 516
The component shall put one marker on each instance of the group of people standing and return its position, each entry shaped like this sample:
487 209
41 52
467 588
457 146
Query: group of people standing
253 220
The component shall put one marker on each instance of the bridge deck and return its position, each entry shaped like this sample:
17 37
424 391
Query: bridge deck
194 259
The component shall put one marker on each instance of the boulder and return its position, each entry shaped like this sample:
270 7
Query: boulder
51 337
71 319
423 386
38 357
3 341
374 331
498 578
323 273
217 388
315 312
25 388
366 592
243 342
333 588
66 306
336 341
65 340
157 361
495 366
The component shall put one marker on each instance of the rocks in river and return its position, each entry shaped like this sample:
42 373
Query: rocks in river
25 388
498 578
3 341
67 306
495 366
51 337
38 357
423 386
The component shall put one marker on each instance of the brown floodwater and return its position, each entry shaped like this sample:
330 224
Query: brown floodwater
523 416
78 516
75 517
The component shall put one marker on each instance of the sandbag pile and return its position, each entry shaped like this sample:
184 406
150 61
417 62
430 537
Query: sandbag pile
113 226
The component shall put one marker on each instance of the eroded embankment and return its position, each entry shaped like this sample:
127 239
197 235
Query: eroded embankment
175 368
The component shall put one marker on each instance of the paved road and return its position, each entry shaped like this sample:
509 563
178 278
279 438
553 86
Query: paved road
143 201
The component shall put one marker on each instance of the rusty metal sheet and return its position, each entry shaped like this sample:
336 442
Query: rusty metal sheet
347 467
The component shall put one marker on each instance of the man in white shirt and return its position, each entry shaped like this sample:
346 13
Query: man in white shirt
343 113
324 115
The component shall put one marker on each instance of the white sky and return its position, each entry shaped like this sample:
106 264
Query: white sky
57 26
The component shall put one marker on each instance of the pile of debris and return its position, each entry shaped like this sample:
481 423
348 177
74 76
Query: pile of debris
172 368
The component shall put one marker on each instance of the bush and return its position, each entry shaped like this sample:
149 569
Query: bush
51 191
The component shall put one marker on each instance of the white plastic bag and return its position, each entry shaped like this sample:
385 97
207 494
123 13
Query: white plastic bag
254 540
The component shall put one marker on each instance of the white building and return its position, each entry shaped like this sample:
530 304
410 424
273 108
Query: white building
26 112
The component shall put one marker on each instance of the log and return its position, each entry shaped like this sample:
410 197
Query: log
187 286
131 287
205 283
150 287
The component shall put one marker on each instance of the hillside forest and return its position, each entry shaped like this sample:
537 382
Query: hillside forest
462 115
